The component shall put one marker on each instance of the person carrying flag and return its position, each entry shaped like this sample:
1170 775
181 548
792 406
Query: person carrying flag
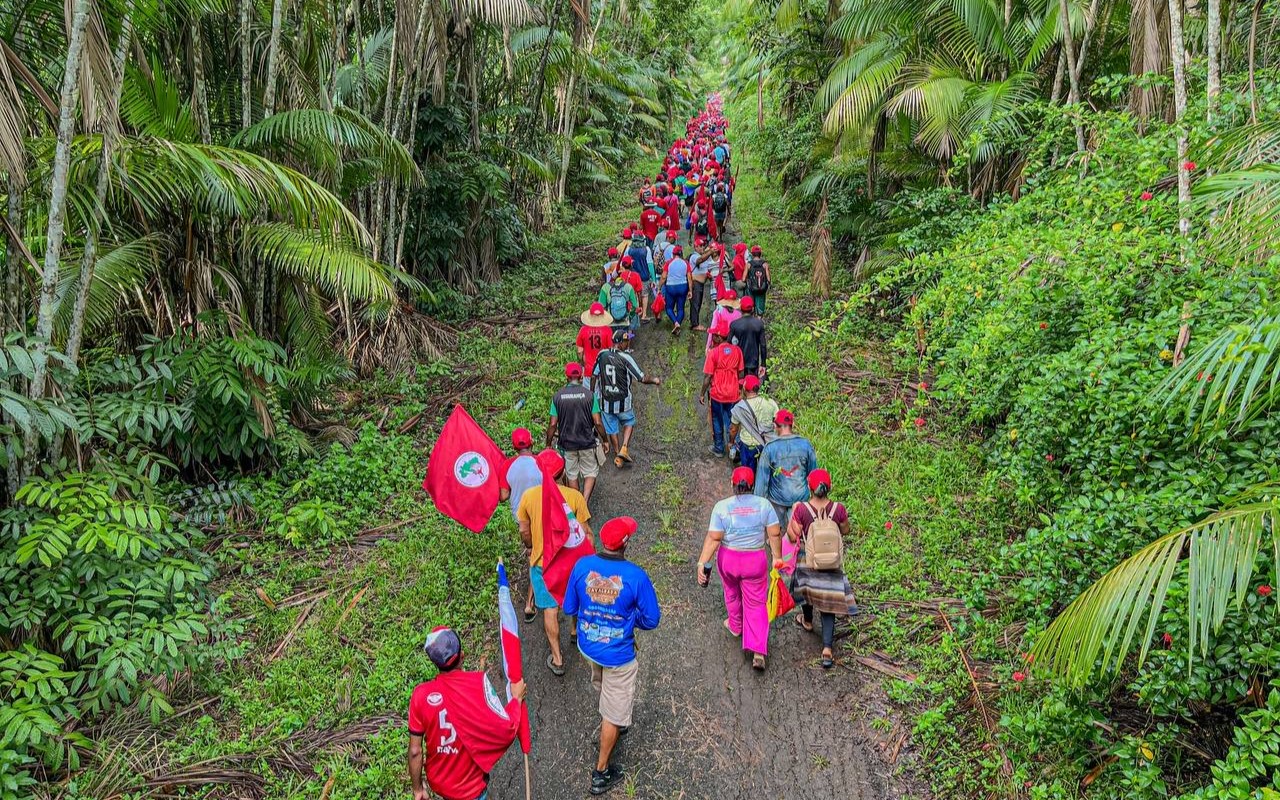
458 728
611 597
533 517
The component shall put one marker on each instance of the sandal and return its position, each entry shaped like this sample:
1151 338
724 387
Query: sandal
730 630
827 661
757 662
800 621
558 671
530 615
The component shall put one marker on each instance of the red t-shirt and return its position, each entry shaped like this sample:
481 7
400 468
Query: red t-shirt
593 339
633 278
723 364
649 219
739 268
465 729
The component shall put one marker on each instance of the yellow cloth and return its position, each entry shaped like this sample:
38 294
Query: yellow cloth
530 513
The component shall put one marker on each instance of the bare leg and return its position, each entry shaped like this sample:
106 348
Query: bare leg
608 738
551 624
587 485
528 603
626 435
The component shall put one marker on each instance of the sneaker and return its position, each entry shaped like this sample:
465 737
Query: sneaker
716 453
604 780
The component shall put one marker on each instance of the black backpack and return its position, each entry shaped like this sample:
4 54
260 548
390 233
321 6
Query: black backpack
703 228
720 202
757 278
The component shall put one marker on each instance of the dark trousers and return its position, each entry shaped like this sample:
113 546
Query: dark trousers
828 622
721 419
748 456
695 303
675 297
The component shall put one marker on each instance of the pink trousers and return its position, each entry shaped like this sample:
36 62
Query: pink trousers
745 576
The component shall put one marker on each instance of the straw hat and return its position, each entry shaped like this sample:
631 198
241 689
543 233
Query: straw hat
596 316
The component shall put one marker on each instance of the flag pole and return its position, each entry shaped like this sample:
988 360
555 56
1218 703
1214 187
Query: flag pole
528 788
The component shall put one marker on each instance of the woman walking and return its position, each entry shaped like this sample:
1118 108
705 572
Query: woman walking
675 287
825 590
744 530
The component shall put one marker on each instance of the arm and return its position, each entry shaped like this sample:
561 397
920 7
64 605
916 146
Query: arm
415 767
570 605
709 547
526 532
647 604
706 390
775 541
552 426
764 349
794 528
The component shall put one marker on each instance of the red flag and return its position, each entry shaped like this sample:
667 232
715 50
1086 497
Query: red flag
564 540
462 472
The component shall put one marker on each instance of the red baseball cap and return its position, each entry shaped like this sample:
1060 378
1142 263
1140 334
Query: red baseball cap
521 438
615 533
573 370
551 461
755 250
721 330
751 383
784 417
671 234
730 294
744 475
627 261
626 232
613 252
819 477
747 304
677 250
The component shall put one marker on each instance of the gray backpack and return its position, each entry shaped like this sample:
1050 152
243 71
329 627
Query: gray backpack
823 544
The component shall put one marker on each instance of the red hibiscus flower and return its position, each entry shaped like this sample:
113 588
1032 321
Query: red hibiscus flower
1264 590
888 526
1167 639
919 422
1147 195
1189 166
1048 456
1019 677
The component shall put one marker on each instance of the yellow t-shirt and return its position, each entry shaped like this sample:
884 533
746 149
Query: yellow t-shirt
530 512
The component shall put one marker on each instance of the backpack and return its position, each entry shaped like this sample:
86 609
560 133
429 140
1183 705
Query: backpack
757 278
823 544
720 202
618 302
703 228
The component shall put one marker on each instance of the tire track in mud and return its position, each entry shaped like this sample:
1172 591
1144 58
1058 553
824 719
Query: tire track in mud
707 726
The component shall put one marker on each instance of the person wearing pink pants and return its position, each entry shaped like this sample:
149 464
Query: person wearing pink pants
745 530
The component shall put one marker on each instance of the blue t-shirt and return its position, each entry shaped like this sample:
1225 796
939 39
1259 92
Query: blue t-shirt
611 597
743 519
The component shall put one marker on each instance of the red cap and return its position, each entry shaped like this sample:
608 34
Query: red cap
615 533
755 250
521 438
573 370
784 417
671 234
596 309
719 246
751 383
551 461
721 330
818 477
747 304
741 247
677 250
744 475
700 241
626 232
613 252
627 261
730 294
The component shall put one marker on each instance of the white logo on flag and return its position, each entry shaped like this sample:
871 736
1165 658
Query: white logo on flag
576 535
471 469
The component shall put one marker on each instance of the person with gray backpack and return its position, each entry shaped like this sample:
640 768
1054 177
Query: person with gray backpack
818 527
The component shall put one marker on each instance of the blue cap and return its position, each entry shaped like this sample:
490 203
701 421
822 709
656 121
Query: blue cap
443 647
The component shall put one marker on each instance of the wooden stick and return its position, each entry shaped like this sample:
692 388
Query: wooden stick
351 605
288 637
528 786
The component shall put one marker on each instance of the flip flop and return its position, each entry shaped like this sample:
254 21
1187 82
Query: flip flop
530 615
730 630
551 665
828 662
800 621
757 662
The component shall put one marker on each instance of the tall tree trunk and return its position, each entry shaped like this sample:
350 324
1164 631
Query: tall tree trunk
246 60
67 106
88 259
1057 77
1073 93
1253 52
380 190
273 59
199 95
1148 46
1213 46
1177 55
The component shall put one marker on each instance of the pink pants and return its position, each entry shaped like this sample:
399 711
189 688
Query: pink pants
745 575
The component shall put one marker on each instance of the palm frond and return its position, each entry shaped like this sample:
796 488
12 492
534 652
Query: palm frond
331 264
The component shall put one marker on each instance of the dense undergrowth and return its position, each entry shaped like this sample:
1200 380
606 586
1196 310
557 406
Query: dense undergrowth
1032 457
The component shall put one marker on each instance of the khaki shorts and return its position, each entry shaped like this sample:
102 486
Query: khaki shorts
581 463
617 688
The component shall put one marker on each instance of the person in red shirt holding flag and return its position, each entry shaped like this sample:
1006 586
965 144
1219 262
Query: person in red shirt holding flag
458 728
723 369
554 528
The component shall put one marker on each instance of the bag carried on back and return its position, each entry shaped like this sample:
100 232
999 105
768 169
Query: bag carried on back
618 302
757 278
720 203
823 544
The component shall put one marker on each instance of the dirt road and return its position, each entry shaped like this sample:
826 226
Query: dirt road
707 726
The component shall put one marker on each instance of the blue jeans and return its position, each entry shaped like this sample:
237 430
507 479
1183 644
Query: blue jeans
675 297
748 456
721 414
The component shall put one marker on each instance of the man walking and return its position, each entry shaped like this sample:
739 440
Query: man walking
722 369
782 474
530 518
747 332
615 369
576 422
611 597
457 726
751 423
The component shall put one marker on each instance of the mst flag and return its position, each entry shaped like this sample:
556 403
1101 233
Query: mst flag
462 472
563 539
511 664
